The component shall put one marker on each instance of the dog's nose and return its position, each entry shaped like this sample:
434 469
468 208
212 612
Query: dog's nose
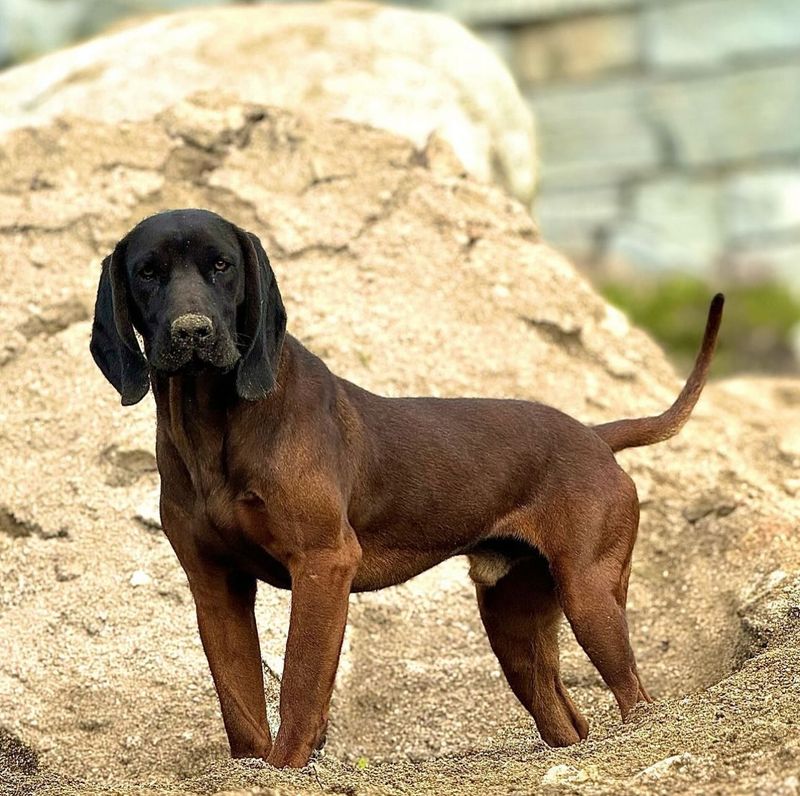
191 328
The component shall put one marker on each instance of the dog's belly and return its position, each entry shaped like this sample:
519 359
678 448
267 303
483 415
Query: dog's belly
394 548
382 567
379 568
383 564
489 560
402 542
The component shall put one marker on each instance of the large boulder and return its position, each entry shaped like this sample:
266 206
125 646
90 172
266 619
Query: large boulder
408 72
408 278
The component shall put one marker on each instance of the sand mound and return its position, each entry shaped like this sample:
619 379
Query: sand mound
407 278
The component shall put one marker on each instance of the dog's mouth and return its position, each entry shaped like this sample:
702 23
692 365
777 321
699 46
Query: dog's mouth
181 360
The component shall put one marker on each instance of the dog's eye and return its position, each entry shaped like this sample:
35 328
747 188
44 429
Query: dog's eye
221 265
147 272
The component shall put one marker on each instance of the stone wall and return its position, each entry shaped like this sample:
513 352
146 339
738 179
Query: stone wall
31 27
669 129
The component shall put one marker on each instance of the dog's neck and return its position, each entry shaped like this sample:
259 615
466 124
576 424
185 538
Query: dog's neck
195 411
191 411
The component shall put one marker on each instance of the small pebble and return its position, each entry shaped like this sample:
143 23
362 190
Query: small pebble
147 512
664 767
66 571
563 774
140 578
791 486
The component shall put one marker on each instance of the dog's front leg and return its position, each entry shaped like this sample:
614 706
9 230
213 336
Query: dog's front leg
321 582
225 616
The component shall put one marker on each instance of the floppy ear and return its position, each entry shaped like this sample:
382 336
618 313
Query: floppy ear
264 322
114 346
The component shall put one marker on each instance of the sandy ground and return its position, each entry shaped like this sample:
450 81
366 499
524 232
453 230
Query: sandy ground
408 279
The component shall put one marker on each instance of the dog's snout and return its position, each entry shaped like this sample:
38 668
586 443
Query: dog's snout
192 328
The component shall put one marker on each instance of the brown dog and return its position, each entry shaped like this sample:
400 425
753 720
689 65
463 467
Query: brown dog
274 469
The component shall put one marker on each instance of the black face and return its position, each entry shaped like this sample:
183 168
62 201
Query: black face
201 293
185 273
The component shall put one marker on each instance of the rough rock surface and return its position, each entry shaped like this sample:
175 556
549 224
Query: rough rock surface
408 72
408 279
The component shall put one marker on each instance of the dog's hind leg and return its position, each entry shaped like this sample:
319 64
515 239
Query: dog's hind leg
521 614
592 582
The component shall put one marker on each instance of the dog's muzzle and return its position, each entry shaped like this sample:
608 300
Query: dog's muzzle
193 340
192 331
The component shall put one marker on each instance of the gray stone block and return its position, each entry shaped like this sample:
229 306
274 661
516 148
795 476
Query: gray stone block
762 204
499 40
514 11
778 261
30 27
674 223
581 245
33 27
575 221
576 47
589 206
708 32
731 117
595 136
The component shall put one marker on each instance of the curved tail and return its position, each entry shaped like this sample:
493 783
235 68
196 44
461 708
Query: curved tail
633 433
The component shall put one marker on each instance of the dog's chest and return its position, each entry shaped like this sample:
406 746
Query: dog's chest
242 519
239 544
238 530
201 443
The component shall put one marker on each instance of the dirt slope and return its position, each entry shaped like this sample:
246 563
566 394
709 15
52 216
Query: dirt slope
407 279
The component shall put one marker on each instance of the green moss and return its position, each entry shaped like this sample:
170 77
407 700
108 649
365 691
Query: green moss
755 331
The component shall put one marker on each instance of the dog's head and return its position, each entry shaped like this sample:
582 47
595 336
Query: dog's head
200 292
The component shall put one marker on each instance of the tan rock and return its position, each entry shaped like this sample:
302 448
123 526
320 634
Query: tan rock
408 72
389 264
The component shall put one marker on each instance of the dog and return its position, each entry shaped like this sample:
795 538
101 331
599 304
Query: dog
274 469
